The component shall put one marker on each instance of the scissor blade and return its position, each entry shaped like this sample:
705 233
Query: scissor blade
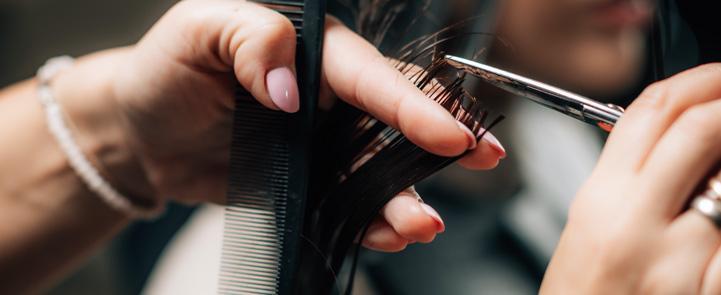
571 104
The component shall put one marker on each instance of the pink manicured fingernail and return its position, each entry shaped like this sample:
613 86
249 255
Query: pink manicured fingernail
472 144
283 89
495 144
440 226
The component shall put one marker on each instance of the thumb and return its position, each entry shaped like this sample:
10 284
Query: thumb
264 57
256 42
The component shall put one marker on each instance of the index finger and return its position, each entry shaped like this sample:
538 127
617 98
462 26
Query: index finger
653 112
360 75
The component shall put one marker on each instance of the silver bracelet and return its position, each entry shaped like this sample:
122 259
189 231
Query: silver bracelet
81 165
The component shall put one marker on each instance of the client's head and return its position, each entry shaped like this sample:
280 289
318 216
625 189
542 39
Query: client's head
592 46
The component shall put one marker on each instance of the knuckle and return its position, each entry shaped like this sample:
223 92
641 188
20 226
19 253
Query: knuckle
191 10
668 97
656 89
654 96
193 18
700 122
364 80
276 27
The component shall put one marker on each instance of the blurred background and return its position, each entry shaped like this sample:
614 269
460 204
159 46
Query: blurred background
31 31
501 225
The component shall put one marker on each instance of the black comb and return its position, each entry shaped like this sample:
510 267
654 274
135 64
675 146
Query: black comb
361 163
269 171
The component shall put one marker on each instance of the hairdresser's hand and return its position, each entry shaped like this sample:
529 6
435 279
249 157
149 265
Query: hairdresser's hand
173 93
629 230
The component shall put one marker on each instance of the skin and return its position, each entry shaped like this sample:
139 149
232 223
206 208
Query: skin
155 118
629 230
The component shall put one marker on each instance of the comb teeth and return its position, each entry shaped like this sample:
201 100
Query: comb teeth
264 216
255 218
293 10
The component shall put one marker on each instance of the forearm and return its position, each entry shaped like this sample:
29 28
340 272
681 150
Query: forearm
49 220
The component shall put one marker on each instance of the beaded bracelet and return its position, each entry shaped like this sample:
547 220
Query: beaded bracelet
78 161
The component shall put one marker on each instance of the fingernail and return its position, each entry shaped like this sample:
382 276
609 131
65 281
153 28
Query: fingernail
440 226
283 89
494 143
472 143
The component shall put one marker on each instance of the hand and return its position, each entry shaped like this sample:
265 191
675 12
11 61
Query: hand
173 93
629 230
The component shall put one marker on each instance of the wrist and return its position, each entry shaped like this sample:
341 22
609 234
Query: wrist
86 95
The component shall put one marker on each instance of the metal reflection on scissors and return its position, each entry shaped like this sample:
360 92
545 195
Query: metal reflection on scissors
582 108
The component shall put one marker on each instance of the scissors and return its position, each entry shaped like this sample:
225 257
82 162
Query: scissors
582 108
